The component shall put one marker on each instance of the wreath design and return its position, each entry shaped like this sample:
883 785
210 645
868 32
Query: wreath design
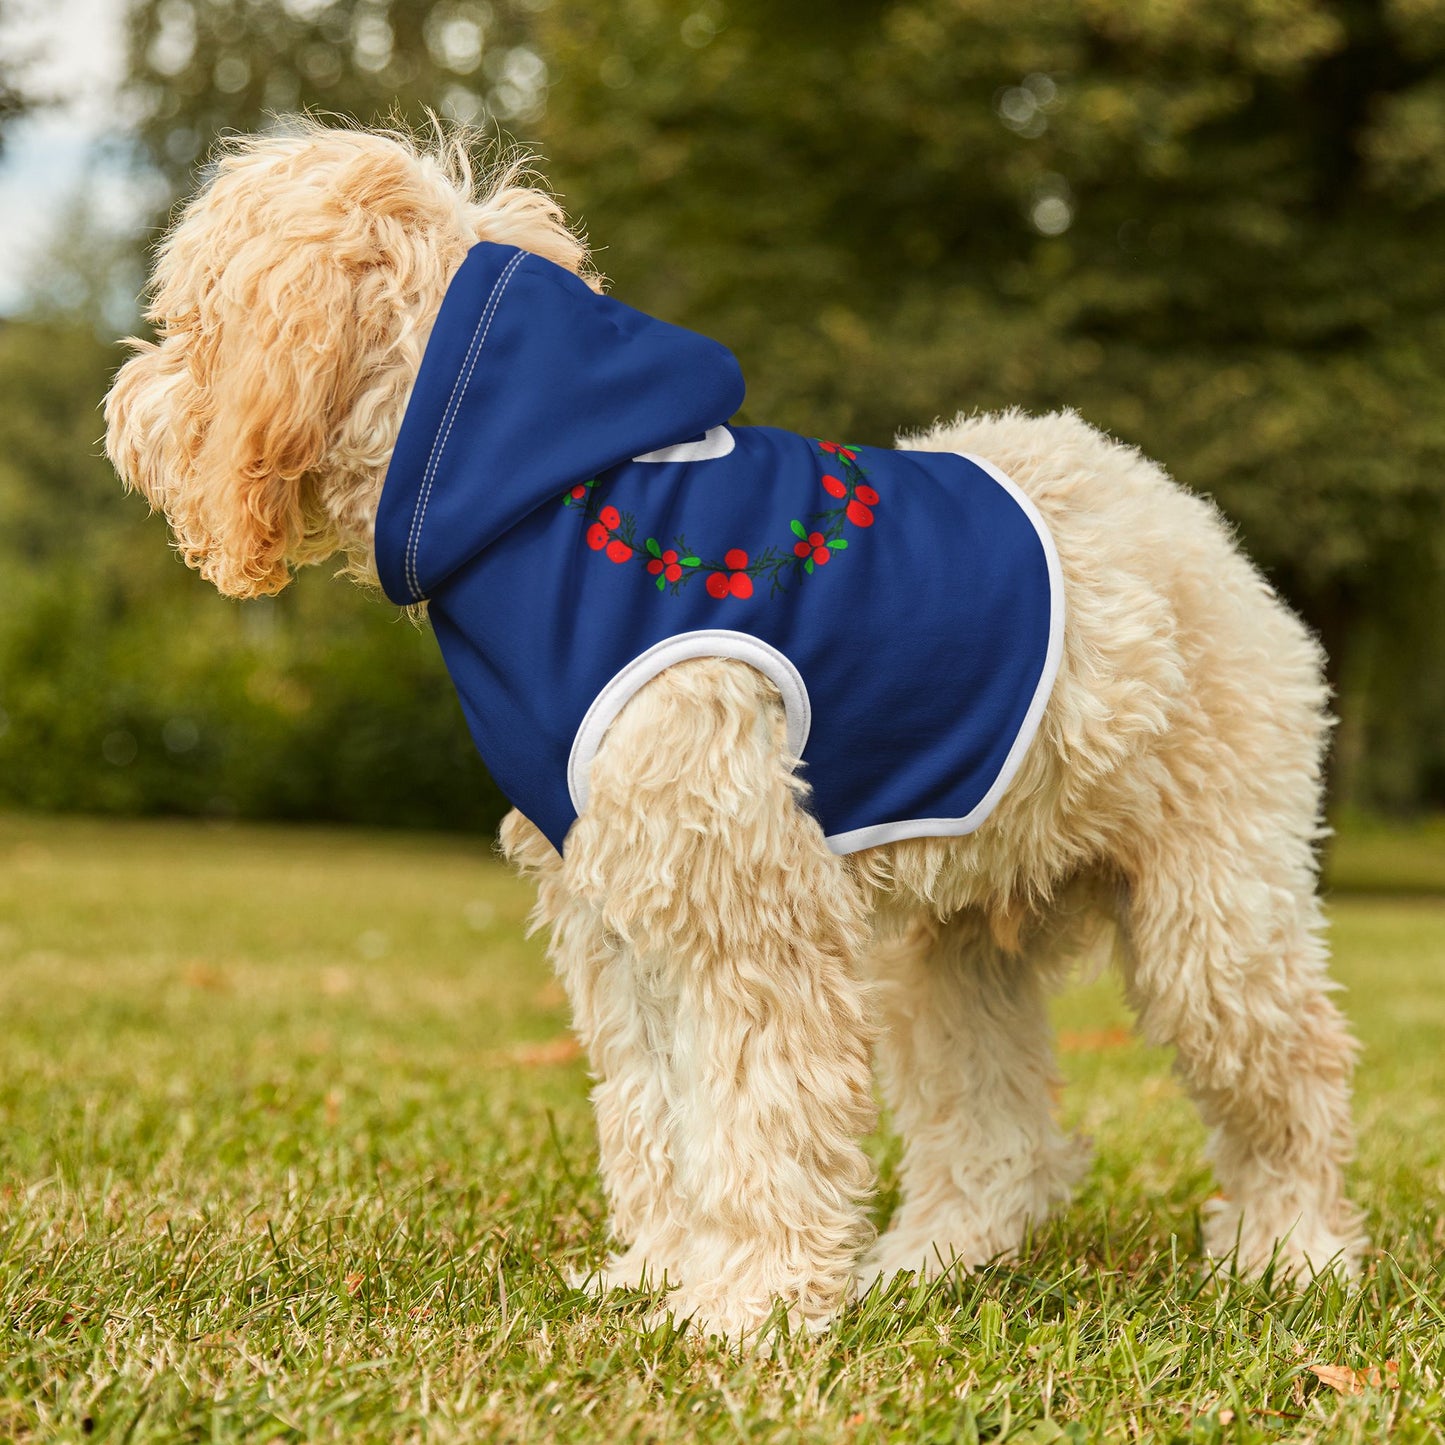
815 538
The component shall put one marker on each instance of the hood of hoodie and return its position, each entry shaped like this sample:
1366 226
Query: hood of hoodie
531 382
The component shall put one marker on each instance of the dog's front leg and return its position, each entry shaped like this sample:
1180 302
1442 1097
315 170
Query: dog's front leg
623 1019
740 929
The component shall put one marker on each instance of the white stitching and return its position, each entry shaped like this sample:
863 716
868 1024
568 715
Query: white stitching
432 454
474 350
439 443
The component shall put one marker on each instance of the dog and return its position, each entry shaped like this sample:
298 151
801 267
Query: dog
731 975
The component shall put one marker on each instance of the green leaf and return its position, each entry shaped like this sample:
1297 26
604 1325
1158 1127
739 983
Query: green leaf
653 547
799 530
661 583
691 561
808 565
839 546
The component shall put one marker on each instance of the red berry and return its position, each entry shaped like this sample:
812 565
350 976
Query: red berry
821 555
717 585
673 572
597 536
740 584
859 515
867 496
619 551
834 486
737 559
829 446
611 517
579 492
669 557
844 452
801 549
654 567
815 539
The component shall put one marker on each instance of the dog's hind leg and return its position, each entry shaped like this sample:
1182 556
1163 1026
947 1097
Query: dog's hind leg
697 857
966 1060
1225 961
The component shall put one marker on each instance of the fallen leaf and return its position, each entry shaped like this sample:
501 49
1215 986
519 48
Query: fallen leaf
202 975
1347 1381
554 1051
551 995
1095 1042
354 1283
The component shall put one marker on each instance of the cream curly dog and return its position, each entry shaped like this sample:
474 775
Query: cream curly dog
730 975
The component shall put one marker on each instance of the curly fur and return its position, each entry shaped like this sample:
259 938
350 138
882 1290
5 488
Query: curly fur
729 976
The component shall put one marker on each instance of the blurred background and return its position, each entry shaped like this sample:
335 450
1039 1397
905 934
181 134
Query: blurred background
1214 227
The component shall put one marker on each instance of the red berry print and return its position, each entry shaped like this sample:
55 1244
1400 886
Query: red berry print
815 538
666 566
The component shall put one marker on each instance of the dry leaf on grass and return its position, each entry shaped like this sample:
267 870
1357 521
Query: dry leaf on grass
551 995
202 975
1347 1381
560 1050
1095 1042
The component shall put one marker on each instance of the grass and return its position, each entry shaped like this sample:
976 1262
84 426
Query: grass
292 1147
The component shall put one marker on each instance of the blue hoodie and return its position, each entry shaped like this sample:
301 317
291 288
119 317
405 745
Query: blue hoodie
568 497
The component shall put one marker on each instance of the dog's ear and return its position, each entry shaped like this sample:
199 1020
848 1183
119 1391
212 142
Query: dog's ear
284 300
277 352
237 404
292 301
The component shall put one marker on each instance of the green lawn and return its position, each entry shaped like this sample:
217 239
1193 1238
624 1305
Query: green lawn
292 1147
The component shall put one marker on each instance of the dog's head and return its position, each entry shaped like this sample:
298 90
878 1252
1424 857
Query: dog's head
292 300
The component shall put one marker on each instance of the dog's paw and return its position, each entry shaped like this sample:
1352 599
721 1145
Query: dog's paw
632 1270
753 1324
1298 1245
897 1254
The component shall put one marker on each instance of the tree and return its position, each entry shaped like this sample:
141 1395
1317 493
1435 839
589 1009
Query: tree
199 68
15 97
1217 230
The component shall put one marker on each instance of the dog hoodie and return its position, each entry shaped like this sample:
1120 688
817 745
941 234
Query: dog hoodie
569 498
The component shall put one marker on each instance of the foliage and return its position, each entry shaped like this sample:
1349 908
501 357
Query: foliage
281 1157
127 686
15 96
202 67
1216 229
